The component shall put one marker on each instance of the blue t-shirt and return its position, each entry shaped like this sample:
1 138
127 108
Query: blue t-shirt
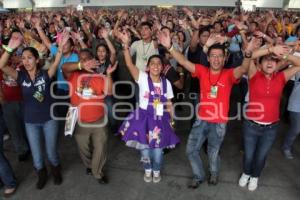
36 96
62 84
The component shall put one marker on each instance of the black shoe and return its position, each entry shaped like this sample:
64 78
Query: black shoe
88 171
103 180
42 178
194 184
56 172
213 180
24 157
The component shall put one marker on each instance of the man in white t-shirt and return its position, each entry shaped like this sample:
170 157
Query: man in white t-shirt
145 47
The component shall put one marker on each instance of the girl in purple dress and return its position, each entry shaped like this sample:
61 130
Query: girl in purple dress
149 127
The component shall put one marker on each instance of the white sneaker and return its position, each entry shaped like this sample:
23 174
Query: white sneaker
252 184
156 177
148 176
244 179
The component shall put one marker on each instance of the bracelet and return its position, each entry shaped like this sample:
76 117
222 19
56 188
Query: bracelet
79 66
171 48
285 57
7 49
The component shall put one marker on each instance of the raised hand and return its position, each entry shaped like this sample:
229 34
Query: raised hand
76 35
164 38
280 50
111 68
90 65
104 33
124 37
15 41
187 11
64 39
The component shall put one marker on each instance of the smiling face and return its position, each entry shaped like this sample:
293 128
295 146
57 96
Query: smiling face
216 59
155 66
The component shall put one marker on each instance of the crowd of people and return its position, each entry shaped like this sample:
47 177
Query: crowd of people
52 60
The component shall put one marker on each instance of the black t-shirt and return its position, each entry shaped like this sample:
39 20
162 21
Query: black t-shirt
198 57
36 96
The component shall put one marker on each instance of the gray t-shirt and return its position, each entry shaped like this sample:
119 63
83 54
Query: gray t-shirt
294 101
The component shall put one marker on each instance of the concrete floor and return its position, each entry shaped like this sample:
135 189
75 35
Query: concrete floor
280 178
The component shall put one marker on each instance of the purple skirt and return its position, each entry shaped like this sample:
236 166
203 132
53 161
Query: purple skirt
143 130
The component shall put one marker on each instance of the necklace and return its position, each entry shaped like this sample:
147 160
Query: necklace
145 53
213 86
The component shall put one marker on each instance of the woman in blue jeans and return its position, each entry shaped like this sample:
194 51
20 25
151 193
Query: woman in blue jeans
294 109
262 116
6 173
35 86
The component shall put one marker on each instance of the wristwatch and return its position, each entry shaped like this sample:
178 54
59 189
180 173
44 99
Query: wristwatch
248 54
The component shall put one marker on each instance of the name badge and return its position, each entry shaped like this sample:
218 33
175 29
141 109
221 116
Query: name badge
213 92
159 109
38 96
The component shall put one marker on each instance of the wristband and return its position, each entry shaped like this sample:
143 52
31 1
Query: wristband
285 57
171 48
7 49
79 66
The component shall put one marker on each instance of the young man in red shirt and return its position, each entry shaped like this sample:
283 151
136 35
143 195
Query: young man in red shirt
215 83
87 92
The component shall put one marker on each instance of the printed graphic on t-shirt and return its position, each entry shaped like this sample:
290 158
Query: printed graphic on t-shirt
85 91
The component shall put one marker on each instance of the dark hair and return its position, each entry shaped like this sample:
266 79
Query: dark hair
165 27
155 56
204 29
254 22
216 46
33 51
184 36
88 51
146 24
106 48
271 56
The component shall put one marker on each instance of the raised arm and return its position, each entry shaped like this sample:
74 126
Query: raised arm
111 47
54 65
109 80
44 38
134 71
14 42
70 67
165 40
244 68
295 61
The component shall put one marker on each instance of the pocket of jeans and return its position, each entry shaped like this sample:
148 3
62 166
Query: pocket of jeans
221 130
196 123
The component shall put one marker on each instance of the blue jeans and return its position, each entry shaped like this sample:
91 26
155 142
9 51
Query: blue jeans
258 141
152 158
13 116
6 173
214 133
35 132
293 131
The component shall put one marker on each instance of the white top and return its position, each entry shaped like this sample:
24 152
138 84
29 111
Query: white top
144 89
143 51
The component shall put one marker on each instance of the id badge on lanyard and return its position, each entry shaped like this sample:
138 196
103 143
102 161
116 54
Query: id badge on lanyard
213 91
159 107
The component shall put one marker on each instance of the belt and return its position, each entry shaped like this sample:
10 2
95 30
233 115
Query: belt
262 125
